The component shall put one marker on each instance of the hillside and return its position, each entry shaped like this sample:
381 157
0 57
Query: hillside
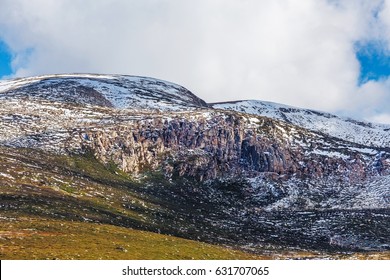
360 132
148 155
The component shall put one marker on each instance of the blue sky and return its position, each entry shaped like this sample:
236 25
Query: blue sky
374 62
328 55
5 60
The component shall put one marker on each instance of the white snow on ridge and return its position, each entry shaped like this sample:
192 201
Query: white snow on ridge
135 92
347 129
120 90
6 85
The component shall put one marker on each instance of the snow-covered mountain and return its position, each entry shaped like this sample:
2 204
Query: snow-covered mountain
117 91
61 112
239 173
360 132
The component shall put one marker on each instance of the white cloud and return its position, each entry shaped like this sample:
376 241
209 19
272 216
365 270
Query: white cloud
290 51
371 101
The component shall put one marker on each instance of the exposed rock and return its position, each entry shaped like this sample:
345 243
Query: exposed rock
218 147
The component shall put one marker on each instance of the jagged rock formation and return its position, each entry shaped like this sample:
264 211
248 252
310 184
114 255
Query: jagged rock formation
223 145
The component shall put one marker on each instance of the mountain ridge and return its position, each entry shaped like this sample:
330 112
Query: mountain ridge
314 120
78 112
119 91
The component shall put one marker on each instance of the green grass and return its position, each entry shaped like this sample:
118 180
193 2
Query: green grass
27 238
72 207
30 238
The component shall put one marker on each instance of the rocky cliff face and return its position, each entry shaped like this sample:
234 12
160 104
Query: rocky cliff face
228 145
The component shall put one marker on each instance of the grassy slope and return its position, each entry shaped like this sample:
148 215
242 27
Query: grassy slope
60 207
26 238
32 238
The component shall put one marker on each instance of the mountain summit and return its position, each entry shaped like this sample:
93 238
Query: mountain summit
147 154
116 91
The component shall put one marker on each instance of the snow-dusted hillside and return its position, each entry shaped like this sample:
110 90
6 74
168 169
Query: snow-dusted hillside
116 91
145 153
363 133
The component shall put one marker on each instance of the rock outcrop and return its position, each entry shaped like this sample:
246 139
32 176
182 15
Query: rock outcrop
224 145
